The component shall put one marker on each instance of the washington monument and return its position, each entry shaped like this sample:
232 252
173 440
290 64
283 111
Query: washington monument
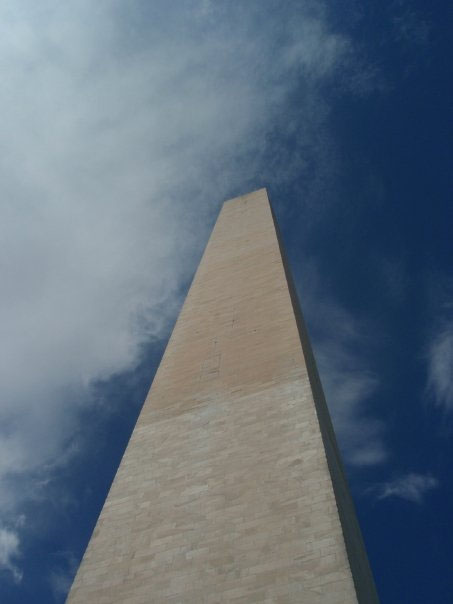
231 488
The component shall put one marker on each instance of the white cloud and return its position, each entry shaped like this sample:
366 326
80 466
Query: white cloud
9 551
440 366
340 344
348 385
62 576
123 129
393 275
410 27
412 487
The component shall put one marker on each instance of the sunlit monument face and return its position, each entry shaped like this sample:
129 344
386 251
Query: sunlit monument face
231 488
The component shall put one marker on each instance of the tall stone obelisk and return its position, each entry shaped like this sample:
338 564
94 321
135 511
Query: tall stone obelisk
231 488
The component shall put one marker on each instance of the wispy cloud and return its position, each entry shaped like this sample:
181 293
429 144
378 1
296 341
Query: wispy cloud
62 575
349 384
9 552
340 344
410 26
411 487
123 129
393 274
440 366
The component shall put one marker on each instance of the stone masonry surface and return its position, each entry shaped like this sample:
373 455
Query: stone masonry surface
224 492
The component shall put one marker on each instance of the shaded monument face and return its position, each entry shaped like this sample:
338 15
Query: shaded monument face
226 489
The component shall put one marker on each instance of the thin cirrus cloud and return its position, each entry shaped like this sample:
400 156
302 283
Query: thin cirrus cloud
348 385
340 342
440 367
111 120
9 551
412 487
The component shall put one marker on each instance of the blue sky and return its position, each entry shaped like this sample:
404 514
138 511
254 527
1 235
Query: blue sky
124 129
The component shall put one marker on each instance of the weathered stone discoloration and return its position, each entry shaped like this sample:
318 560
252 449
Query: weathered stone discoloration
224 492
